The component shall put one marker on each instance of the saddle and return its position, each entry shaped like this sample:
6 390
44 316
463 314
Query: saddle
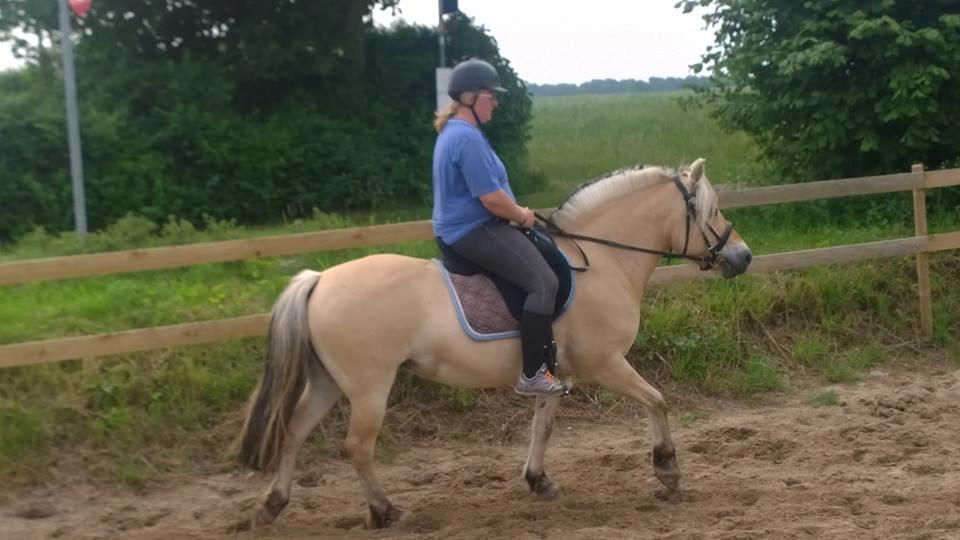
489 307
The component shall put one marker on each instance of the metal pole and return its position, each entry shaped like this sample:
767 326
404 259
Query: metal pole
441 32
73 123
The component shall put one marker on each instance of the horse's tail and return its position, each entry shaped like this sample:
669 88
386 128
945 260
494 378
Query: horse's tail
289 351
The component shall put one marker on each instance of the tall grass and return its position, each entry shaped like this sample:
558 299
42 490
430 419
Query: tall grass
138 416
576 138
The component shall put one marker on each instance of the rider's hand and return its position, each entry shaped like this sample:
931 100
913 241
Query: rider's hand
529 219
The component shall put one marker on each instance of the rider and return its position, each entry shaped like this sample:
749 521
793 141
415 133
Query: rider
473 205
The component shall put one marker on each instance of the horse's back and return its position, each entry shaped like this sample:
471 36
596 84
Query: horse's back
382 270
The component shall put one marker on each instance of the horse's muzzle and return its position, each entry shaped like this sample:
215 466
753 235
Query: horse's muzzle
734 260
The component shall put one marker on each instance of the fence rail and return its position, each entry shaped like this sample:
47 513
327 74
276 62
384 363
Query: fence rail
138 260
55 350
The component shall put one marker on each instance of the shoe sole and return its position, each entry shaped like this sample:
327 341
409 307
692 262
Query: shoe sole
544 394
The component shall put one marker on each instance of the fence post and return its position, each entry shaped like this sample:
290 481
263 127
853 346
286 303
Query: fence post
923 258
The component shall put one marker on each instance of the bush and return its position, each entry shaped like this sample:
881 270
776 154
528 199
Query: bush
191 137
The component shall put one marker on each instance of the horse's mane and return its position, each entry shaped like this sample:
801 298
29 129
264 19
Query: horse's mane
620 182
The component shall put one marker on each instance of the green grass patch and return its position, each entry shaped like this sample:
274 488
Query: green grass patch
810 349
849 367
24 435
687 419
576 138
759 374
824 398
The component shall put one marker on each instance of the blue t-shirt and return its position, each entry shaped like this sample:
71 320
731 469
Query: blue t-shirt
465 167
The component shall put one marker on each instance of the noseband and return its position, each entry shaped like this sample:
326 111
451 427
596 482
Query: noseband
706 262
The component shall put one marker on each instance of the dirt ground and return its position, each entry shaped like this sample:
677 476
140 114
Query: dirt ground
883 463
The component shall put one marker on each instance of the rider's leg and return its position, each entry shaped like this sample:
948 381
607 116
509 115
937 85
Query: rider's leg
505 251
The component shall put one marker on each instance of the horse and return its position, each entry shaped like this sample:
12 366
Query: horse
348 330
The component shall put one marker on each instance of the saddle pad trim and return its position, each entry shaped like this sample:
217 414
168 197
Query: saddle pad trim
461 316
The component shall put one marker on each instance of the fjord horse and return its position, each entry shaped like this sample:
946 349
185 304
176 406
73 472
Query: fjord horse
347 331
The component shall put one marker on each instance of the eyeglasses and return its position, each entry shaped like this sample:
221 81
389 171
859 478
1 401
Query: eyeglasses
492 97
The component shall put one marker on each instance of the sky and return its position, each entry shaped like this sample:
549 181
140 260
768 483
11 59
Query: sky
6 58
555 41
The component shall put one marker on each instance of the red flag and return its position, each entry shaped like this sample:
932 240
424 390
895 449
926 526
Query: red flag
80 7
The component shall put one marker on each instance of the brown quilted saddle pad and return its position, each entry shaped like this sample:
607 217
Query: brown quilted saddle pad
480 306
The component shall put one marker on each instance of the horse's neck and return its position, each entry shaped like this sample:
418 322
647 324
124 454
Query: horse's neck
637 219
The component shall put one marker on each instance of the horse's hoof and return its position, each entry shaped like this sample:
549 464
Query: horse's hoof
262 518
542 487
272 505
666 468
669 478
669 495
381 519
548 491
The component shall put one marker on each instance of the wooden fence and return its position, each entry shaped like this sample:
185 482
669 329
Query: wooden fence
54 350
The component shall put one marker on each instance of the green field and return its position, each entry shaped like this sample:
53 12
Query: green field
580 137
137 417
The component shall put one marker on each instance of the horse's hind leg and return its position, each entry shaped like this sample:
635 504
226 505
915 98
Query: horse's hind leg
368 406
618 376
541 429
320 394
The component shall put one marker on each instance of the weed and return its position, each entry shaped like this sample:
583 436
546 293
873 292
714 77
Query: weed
810 349
824 398
688 418
759 374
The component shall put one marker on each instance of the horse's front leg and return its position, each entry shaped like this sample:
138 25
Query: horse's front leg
542 426
617 375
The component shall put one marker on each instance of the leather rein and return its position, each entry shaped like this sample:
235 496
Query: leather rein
706 262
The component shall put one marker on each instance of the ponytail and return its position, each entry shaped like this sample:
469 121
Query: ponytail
444 115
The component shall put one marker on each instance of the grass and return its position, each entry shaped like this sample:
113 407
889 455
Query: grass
689 418
576 138
141 416
824 398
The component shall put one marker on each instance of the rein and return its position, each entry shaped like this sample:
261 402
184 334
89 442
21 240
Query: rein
706 261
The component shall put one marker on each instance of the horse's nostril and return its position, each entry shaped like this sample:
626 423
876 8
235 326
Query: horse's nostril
748 257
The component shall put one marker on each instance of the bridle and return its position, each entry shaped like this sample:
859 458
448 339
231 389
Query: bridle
706 262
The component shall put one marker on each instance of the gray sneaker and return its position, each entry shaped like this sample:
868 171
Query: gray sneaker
543 383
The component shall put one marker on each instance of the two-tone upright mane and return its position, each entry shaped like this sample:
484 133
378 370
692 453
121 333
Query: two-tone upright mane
614 185
347 332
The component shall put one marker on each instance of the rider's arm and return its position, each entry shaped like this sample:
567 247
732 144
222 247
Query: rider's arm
500 205
480 172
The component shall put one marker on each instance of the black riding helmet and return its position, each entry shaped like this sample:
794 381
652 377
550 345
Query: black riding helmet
473 75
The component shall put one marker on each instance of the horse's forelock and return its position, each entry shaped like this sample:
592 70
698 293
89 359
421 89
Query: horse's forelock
706 201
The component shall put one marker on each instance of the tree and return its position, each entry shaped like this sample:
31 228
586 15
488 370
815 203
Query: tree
300 114
833 88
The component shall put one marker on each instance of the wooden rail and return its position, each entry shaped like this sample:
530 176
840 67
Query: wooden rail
55 350
138 260
145 339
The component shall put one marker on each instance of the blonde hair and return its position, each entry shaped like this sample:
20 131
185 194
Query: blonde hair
444 115
451 110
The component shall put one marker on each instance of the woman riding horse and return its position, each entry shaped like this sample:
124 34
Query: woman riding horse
349 330
472 207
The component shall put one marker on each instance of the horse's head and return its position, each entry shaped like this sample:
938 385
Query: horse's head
706 234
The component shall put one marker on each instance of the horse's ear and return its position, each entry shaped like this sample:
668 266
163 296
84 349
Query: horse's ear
696 169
